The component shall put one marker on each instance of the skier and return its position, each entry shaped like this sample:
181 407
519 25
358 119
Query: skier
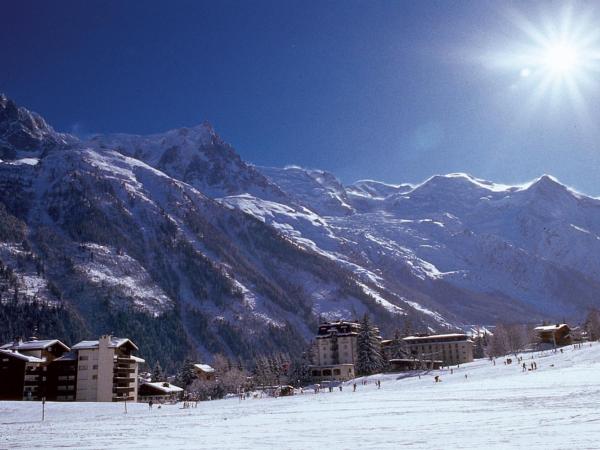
340 388
150 403
354 387
524 367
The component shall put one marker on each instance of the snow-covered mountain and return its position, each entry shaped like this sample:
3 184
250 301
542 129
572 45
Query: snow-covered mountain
196 156
174 240
508 250
129 244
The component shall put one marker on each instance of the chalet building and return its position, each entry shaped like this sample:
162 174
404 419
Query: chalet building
556 335
107 370
159 392
26 369
204 372
335 351
451 349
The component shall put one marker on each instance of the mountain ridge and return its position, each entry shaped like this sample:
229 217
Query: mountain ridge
131 232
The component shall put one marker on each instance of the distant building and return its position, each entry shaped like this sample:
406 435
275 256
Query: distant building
451 349
26 369
335 351
204 372
107 370
159 392
556 335
406 364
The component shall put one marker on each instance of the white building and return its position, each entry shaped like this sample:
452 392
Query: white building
106 370
451 349
336 351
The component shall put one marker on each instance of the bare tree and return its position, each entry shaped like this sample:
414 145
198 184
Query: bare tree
592 324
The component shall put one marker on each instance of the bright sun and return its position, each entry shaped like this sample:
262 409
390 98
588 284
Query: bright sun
555 60
561 58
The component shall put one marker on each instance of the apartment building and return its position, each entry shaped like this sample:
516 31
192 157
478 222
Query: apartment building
27 369
451 349
335 351
107 370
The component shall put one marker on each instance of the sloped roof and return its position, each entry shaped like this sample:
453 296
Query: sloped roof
115 342
69 356
435 336
550 327
204 368
163 387
34 345
21 356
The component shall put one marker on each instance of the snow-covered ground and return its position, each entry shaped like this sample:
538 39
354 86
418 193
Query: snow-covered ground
501 407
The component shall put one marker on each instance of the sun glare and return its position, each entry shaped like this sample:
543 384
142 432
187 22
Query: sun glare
554 58
561 58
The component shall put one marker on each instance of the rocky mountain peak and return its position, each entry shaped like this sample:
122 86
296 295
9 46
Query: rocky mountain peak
24 130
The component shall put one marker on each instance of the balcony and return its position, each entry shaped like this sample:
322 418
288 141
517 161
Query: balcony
123 368
122 389
125 359
120 398
121 379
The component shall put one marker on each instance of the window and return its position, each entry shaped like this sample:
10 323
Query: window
82 367
94 377
83 358
336 371
95 366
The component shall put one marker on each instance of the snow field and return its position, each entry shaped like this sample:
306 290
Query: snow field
495 407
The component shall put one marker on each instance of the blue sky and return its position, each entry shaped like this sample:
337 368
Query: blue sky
388 90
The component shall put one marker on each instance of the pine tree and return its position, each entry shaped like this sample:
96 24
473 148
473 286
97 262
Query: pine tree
299 371
397 348
370 359
187 373
157 373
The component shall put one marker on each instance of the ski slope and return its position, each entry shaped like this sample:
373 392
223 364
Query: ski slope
495 407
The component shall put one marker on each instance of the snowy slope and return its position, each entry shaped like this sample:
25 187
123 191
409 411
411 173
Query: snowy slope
197 156
495 407
129 247
534 241
242 259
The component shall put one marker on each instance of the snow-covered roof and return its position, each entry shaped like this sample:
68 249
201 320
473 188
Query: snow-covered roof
69 356
550 327
164 387
138 359
115 342
21 356
436 336
204 368
33 345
